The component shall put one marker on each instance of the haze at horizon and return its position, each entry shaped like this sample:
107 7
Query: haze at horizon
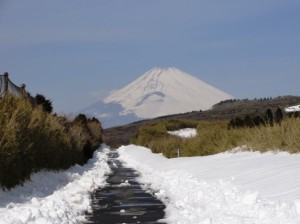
76 52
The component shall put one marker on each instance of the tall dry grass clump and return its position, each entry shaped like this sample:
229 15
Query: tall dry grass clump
284 136
85 134
215 137
14 120
32 139
155 136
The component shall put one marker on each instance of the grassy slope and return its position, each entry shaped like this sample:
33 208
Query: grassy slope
122 135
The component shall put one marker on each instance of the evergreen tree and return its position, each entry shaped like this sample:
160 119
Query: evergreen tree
278 116
40 100
257 120
231 124
239 123
248 121
269 117
80 118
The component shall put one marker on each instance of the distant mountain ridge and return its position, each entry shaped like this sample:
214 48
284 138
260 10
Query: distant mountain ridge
158 92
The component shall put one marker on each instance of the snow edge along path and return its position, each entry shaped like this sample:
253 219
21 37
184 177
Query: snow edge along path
190 200
55 197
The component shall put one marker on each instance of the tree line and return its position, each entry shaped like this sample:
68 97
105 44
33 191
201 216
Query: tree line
255 121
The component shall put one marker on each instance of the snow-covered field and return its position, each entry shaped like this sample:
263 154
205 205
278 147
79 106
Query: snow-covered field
227 188
58 198
184 133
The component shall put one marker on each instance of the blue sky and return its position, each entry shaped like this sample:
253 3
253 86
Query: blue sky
75 52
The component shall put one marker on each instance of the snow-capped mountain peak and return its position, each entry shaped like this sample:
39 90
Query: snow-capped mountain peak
158 92
163 91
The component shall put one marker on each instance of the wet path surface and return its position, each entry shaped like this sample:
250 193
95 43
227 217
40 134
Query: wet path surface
123 200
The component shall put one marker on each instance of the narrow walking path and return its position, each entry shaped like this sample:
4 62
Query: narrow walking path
123 200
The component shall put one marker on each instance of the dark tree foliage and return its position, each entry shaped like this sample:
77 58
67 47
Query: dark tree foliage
257 120
269 117
239 123
278 116
236 123
40 100
231 124
80 118
248 122
88 151
91 128
93 119
293 114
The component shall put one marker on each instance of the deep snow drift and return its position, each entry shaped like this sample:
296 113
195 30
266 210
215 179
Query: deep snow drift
227 188
58 198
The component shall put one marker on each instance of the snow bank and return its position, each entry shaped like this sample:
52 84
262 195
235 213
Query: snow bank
227 188
184 133
50 197
245 187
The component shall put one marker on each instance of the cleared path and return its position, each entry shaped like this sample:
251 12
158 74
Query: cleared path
123 200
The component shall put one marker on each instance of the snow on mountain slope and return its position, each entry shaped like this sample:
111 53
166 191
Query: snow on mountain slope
163 91
158 92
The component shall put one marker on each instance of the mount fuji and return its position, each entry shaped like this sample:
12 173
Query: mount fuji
158 92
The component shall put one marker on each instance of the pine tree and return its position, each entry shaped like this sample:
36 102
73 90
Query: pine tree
269 117
231 124
40 100
258 121
278 116
248 121
239 123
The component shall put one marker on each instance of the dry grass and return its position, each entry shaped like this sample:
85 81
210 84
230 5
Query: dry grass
33 140
284 136
214 137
